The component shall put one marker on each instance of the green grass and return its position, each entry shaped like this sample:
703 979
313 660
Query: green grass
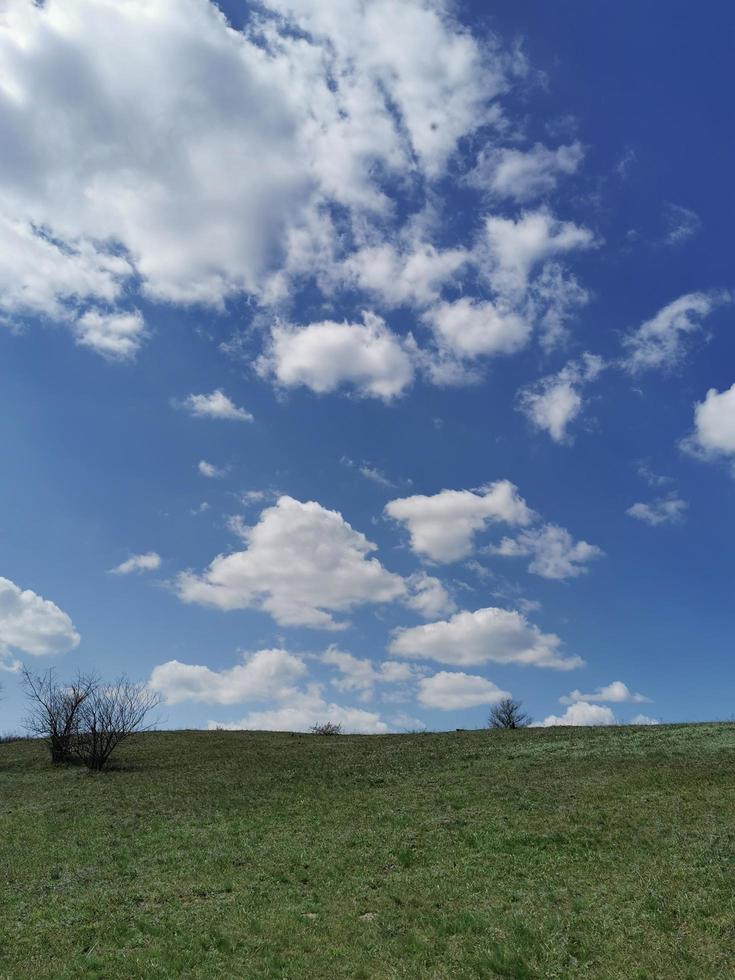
605 853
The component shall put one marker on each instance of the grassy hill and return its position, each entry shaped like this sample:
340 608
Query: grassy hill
605 853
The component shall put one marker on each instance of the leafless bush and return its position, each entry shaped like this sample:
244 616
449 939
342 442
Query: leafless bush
508 714
326 728
54 712
110 715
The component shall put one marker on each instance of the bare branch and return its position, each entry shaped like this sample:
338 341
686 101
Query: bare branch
109 716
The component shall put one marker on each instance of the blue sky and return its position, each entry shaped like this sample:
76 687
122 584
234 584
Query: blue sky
440 296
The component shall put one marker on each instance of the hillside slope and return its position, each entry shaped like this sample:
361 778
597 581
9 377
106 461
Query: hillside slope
598 853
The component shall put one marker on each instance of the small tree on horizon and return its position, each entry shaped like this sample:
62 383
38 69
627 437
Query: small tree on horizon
55 708
508 713
109 716
326 728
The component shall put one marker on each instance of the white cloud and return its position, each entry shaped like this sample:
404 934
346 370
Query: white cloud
681 223
304 709
644 720
555 554
370 472
526 174
714 425
211 471
209 155
472 638
616 692
652 479
516 247
327 356
116 336
554 402
138 563
413 277
216 406
301 564
31 624
264 675
660 343
451 690
470 328
663 510
442 526
39 276
362 675
428 596
582 713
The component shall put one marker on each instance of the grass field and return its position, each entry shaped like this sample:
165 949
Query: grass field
605 853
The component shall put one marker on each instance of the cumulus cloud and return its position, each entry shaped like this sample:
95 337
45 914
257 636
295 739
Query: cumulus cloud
661 343
554 402
713 436
428 596
276 676
327 356
516 246
222 149
525 174
304 709
147 562
555 554
616 692
442 526
362 675
451 690
216 406
264 675
470 328
302 563
116 336
209 470
413 276
663 510
644 720
582 713
31 624
472 638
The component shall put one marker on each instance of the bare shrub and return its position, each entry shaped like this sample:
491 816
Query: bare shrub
109 716
508 714
54 713
326 728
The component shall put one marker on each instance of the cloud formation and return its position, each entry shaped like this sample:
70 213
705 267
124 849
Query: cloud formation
301 564
31 624
216 405
365 357
554 553
616 692
442 526
525 174
582 713
147 562
663 510
264 675
661 343
484 636
713 436
453 690
554 402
